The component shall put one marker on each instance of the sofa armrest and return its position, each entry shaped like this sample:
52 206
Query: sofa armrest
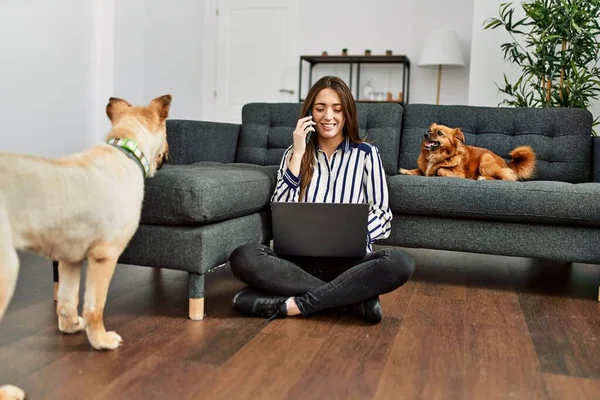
596 158
193 141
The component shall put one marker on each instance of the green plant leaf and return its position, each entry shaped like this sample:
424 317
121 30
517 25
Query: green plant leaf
556 42
492 23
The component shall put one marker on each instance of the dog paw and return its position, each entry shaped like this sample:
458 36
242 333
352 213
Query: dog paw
10 392
71 324
482 178
404 171
105 340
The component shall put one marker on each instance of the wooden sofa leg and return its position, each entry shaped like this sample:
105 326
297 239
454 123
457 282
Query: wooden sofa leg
55 277
196 294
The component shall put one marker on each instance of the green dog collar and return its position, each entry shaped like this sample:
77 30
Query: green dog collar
132 148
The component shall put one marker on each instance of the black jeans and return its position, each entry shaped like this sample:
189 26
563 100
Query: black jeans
319 283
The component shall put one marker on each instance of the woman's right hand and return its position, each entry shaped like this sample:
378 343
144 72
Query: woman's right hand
303 126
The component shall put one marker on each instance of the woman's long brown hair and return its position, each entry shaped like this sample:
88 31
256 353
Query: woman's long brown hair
350 128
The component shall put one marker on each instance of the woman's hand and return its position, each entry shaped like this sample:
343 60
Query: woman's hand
303 126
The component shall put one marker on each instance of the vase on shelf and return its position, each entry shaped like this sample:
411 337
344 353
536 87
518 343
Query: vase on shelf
368 90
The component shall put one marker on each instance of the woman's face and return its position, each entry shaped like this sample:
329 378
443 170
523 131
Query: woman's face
328 114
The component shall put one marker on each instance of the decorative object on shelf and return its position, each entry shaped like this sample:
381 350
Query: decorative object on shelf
344 51
388 52
324 53
367 52
555 47
368 90
442 47
389 96
401 97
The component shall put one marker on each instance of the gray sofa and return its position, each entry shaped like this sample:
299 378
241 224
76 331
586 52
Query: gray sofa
214 194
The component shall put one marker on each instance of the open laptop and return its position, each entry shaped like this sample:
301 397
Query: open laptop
320 229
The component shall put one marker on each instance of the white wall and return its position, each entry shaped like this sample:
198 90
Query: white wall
487 63
158 50
399 25
46 76
129 58
173 50
102 73
59 68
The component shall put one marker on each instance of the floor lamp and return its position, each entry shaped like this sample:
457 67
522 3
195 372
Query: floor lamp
442 48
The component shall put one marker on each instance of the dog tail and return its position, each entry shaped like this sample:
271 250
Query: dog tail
523 162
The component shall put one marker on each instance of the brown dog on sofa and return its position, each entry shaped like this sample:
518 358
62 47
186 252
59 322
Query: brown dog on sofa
444 153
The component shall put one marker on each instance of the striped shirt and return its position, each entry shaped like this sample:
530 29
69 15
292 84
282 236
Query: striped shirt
353 174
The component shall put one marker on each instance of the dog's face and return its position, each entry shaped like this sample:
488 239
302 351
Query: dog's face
442 138
149 125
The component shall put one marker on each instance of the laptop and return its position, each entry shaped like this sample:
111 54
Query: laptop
320 229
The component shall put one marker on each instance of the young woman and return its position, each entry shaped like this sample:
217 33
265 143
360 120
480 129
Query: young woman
335 166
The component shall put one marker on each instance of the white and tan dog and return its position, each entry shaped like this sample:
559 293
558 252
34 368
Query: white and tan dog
83 206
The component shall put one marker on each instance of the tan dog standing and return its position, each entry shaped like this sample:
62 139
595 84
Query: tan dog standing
83 206
444 153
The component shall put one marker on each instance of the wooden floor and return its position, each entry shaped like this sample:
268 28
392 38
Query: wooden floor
466 326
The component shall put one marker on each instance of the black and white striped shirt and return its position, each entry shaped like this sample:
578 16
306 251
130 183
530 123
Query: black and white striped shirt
353 174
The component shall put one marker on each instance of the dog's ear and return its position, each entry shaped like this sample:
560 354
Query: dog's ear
116 107
459 135
162 105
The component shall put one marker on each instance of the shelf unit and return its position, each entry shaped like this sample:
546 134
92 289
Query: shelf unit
356 62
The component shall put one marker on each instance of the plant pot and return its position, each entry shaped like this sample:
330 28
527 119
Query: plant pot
388 52
367 52
344 52
324 53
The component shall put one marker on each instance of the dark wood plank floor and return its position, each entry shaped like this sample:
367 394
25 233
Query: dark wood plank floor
466 326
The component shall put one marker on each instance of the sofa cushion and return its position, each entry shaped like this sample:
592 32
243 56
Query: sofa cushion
197 141
561 137
206 192
546 202
267 131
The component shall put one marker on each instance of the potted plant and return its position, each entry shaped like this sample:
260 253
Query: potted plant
367 52
556 47
344 51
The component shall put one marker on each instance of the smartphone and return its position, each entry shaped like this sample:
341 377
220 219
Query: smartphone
310 132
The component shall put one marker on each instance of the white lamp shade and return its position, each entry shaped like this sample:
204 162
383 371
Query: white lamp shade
442 47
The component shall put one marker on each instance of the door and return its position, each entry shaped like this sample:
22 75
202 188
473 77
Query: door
257 54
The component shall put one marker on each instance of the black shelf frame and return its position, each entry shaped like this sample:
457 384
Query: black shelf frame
357 61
